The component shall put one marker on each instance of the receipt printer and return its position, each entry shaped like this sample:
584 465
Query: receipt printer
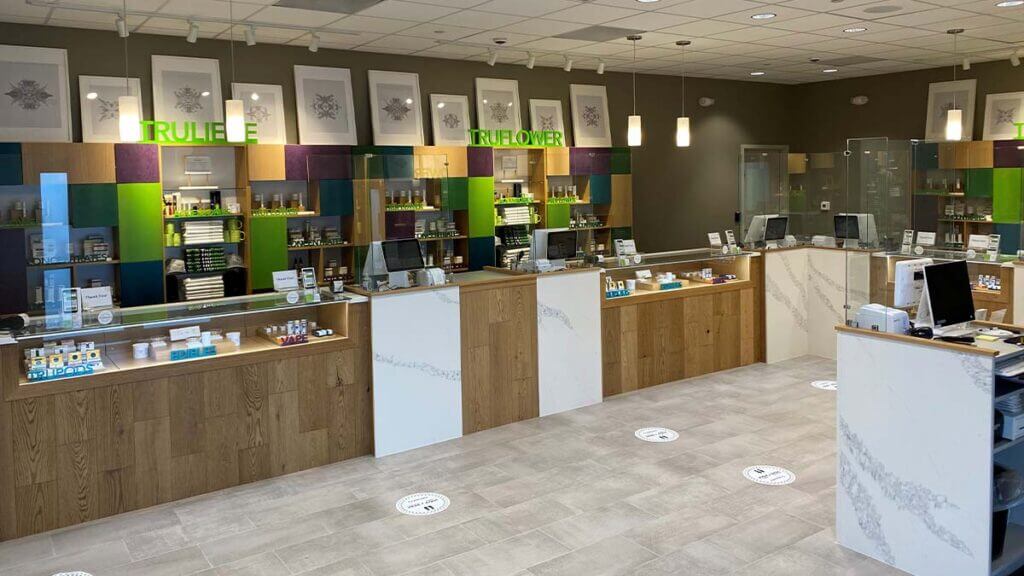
430 277
883 319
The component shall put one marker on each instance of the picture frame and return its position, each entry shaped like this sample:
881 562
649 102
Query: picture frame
37 95
590 123
1002 111
449 119
941 97
396 110
97 96
323 102
263 104
497 104
187 89
547 115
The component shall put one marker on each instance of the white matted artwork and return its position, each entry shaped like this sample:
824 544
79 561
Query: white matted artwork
323 100
497 104
1002 114
944 96
449 118
263 104
187 90
590 127
396 111
547 115
100 111
36 94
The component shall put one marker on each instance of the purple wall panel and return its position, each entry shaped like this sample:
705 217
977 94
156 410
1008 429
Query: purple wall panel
1009 153
481 161
137 163
317 162
399 225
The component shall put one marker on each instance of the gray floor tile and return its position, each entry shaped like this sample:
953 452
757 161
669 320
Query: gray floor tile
331 548
597 524
507 557
266 564
694 559
757 538
610 557
28 549
260 540
421 552
788 562
674 532
92 559
518 519
690 492
177 563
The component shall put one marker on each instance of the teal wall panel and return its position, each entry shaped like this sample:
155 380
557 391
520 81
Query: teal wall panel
93 205
336 198
601 189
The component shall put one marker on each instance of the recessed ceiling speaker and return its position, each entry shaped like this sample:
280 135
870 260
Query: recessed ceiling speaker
859 100
706 101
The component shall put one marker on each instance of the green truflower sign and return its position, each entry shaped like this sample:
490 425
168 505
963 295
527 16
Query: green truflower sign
516 139
192 133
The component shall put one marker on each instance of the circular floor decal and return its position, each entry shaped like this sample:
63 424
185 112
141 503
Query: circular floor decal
769 475
657 434
830 385
423 504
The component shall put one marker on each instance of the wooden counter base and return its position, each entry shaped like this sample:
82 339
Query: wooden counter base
78 455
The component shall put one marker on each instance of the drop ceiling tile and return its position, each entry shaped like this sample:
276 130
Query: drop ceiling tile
822 5
739 48
981 45
873 11
38 20
871 26
710 8
698 57
453 3
904 54
751 34
592 14
988 7
401 10
105 18
968 24
209 9
487 38
926 16
890 35
139 5
812 22
78 23
403 43
651 21
553 44
294 16
1012 32
439 31
338 41
653 52
650 39
834 44
794 39
543 26
19 9
206 29
526 7
646 6
267 34
484 20
707 44
603 49
781 13
779 53
700 28
455 50
357 23
386 49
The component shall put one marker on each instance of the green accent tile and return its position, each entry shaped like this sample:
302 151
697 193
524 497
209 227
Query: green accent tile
978 183
1006 195
93 205
398 166
368 167
140 222
336 198
926 156
481 206
268 237
621 162
458 194
558 216
601 189
624 233
10 165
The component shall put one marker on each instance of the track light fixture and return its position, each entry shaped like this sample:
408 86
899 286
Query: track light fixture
314 41
568 64
1015 59
193 32
250 35
531 62
492 59
122 27
600 67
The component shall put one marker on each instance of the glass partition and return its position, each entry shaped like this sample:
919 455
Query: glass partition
764 183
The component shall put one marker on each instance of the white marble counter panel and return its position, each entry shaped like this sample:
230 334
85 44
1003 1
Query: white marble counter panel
569 341
417 369
914 455
785 286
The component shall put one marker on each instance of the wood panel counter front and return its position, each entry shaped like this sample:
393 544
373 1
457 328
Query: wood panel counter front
74 452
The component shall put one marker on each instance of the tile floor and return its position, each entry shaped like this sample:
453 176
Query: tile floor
571 494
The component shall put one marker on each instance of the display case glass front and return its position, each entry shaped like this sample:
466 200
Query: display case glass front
668 271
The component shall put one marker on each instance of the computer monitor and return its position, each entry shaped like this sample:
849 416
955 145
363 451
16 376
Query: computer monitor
775 228
756 230
561 245
909 282
948 298
541 240
860 227
846 227
402 255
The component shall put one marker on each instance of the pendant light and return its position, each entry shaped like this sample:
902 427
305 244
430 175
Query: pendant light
634 132
234 110
683 122
954 116
128 112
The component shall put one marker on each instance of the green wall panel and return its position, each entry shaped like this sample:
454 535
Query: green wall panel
336 198
93 205
558 216
601 189
621 161
458 194
624 233
979 183
481 206
268 238
140 222
1006 195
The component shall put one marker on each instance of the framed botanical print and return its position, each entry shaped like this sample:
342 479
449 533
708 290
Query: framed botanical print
98 96
1002 114
497 104
396 111
36 94
943 96
323 100
590 127
187 90
449 119
547 115
263 105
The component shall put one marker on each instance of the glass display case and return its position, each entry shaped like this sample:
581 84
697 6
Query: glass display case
671 271
60 346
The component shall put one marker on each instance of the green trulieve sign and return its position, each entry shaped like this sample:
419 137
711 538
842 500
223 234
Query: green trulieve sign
516 138
1020 130
193 133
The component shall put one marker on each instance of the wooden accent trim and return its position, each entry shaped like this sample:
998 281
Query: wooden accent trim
904 339
808 246
685 292
509 282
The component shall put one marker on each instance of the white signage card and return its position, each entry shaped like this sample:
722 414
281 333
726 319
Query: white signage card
715 239
99 298
908 241
308 278
977 242
993 241
625 247
643 274
184 333
285 280
926 238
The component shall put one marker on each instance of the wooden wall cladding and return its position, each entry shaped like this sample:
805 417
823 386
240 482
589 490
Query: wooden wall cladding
652 343
83 163
80 455
499 355
264 161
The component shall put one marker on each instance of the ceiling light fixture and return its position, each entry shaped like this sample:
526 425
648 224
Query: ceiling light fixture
763 16
830 70
122 27
954 116
493 58
600 67
250 35
531 62
683 122
129 113
648 1
855 30
314 41
757 73
234 109
1010 3
254 96
568 64
1015 59
193 32
966 64
91 96
634 131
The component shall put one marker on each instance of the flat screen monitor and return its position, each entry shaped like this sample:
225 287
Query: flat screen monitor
561 245
775 228
949 293
847 227
402 255
909 282
758 226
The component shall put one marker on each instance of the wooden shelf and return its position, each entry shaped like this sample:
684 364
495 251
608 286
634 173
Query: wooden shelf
1013 551
187 218
322 247
460 237
202 244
